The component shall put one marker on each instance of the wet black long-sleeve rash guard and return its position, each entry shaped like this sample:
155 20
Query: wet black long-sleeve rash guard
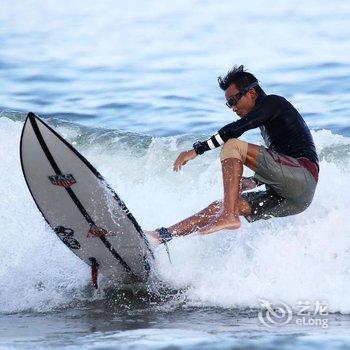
282 127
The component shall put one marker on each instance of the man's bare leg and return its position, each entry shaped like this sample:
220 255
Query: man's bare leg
196 221
232 170
201 219
205 216
192 223
234 205
209 215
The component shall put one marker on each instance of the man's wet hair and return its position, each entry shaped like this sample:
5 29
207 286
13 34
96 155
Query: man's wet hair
240 77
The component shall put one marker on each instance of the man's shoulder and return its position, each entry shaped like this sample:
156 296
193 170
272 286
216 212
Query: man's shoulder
276 101
274 98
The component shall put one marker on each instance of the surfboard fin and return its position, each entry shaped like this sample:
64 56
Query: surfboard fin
94 272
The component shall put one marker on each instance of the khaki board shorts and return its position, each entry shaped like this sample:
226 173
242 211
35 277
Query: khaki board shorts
290 187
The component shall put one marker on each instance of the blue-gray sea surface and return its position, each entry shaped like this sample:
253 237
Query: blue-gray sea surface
131 84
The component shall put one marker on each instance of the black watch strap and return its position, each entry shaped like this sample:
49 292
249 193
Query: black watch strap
197 147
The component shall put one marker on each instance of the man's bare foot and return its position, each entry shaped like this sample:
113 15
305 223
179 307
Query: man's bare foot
222 222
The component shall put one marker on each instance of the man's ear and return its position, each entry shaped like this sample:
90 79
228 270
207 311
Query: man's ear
253 94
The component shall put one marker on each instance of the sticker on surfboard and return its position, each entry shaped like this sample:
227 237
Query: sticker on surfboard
62 180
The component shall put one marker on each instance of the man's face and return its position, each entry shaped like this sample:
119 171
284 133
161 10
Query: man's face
245 104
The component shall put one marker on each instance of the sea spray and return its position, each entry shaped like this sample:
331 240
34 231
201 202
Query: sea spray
290 259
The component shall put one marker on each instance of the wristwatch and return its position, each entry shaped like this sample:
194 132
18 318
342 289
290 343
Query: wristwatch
197 147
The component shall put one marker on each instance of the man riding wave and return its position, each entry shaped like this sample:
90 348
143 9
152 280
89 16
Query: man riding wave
288 166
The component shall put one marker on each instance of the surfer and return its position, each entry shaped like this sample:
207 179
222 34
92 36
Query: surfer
287 166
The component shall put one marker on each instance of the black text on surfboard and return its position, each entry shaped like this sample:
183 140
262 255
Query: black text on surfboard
66 235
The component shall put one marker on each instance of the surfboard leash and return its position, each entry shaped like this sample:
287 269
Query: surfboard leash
168 252
166 236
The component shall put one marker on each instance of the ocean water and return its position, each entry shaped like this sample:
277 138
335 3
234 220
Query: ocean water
130 85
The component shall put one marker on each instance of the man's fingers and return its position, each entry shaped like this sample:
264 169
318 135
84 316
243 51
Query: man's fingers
177 167
181 160
176 164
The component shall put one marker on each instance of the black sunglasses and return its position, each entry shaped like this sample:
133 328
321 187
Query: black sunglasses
233 100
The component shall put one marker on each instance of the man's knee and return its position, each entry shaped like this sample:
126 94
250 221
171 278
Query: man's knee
234 148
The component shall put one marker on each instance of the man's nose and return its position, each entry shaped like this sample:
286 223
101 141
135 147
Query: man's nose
234 108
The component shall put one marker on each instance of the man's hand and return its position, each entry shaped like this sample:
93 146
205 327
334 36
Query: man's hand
183 158
247 183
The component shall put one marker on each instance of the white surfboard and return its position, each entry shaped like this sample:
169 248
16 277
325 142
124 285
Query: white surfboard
84 212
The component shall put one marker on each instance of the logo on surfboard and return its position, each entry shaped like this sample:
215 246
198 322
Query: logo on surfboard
64 180
66 234
96 231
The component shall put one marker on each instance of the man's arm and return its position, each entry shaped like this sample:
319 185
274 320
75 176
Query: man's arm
269 109
254 119
232 130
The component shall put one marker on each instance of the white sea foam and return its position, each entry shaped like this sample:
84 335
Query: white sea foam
291 259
